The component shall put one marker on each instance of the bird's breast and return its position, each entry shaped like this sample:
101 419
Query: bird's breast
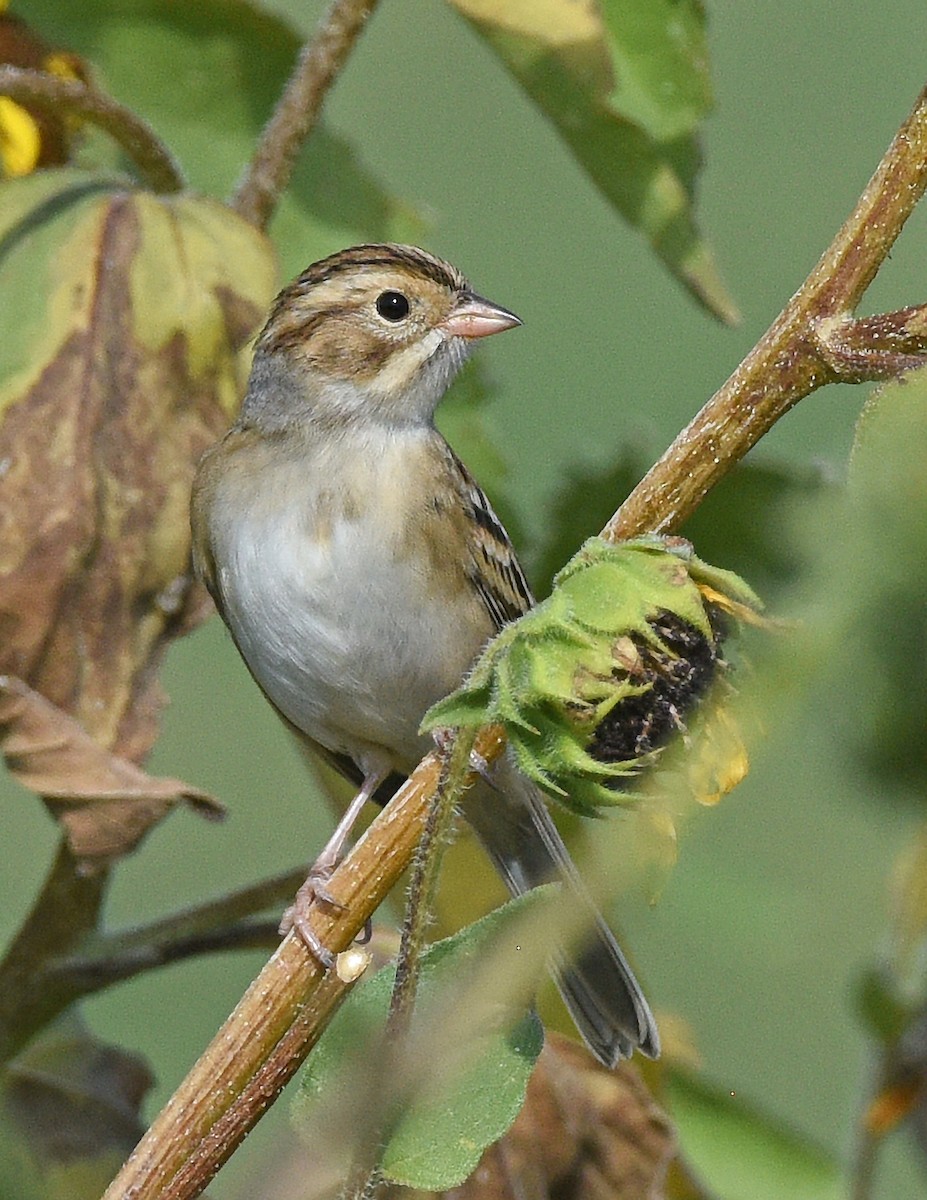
341 588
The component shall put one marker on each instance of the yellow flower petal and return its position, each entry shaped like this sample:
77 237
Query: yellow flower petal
20 142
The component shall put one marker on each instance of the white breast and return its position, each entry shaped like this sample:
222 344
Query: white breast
338 627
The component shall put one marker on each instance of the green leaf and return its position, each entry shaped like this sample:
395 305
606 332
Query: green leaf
471 1050
624 89
660 58
742 1154
438 1144
877 546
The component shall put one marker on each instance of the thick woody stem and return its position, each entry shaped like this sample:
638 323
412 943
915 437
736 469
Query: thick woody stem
155 163
298 109
269 1080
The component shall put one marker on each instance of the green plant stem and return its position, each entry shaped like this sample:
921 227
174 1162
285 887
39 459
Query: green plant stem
298 109
797 354
425 870
154 161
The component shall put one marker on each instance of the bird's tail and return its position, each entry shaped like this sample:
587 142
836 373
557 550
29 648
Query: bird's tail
596 982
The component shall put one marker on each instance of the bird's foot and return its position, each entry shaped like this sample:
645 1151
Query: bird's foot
315 890
297 917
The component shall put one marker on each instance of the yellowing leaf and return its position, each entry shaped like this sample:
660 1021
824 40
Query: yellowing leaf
125 314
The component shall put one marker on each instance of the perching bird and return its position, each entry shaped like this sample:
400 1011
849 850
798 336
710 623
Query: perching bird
361 569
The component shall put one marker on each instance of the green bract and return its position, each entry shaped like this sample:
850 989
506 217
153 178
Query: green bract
595 679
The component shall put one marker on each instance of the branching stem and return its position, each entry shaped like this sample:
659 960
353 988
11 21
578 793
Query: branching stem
156 164
801 350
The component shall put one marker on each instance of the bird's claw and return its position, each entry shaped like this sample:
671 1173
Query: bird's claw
296 917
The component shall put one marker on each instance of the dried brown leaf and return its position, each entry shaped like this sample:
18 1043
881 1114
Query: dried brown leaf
72 1106
125 313
105 803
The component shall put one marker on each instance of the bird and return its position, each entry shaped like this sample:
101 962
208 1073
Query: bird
361 569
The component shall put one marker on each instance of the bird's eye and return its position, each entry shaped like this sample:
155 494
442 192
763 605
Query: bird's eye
392 306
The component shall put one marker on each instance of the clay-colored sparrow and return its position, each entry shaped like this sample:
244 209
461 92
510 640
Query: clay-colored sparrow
360 568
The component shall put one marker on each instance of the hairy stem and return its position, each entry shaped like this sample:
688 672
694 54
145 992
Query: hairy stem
298 109
154 161
365 1181
425 870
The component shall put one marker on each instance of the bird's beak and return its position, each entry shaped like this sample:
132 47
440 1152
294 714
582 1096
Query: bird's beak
474 317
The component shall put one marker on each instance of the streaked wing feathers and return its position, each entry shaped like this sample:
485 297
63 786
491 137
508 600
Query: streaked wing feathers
493 568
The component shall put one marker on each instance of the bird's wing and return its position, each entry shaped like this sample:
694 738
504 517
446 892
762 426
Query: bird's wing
493 568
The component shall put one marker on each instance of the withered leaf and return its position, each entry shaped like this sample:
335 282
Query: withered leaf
70 1110
124 317
105 803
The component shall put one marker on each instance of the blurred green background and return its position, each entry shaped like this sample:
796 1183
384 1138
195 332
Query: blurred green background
778 900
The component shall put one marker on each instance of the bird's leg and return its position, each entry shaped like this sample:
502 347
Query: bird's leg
314 890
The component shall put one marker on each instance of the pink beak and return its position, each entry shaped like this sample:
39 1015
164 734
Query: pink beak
475 317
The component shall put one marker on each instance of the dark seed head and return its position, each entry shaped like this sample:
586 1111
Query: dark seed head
678 677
